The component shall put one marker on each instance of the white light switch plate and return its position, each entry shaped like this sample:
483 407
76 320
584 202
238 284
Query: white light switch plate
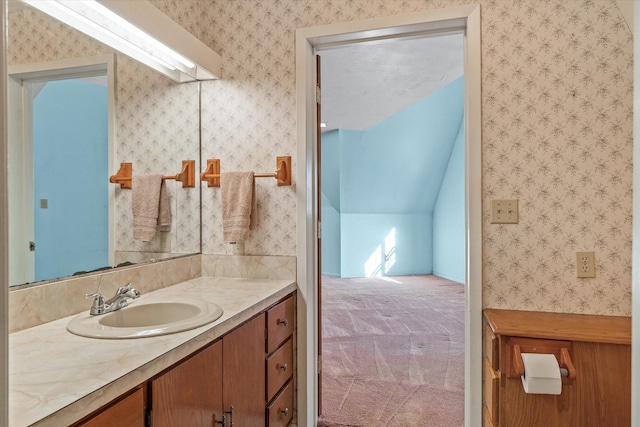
504 211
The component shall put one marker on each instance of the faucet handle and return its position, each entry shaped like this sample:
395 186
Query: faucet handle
98 303
124 289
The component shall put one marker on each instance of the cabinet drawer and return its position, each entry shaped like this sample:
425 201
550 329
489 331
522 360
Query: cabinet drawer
280 412
279 368
279 323
491 386
491 346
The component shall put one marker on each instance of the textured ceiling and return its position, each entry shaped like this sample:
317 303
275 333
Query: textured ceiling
365 83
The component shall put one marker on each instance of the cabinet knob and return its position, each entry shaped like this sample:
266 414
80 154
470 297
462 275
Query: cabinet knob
283 322
284 411
283 367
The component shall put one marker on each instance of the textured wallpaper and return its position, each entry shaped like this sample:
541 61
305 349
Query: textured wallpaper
156 119
557 134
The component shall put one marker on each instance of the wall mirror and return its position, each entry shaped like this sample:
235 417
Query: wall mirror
77 110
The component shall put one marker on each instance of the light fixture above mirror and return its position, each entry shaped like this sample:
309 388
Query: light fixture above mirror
139 30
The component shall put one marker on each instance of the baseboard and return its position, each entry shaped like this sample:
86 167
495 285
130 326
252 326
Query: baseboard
446 276
331 275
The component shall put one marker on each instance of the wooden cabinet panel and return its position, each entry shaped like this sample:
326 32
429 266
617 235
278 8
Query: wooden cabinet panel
603 384
518 409
126 412
280 412
279 368
244 376
491 346
600 351
491 391
191 392
280 321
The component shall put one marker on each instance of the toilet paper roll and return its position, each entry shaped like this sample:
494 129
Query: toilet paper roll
541 374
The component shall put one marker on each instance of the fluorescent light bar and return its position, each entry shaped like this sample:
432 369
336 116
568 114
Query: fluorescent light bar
140 31
122 28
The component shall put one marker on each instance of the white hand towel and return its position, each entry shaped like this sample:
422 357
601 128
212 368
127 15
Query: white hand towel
150 205
239 207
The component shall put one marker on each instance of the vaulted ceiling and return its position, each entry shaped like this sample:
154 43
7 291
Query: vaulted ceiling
365 83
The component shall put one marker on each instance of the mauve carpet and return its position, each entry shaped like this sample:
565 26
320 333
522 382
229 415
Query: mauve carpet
393 352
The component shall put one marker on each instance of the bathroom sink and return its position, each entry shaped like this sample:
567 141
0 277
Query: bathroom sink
143 319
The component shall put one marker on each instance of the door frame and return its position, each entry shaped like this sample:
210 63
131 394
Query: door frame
462 19
72 68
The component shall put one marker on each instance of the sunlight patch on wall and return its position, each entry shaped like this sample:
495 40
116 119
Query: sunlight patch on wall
376 264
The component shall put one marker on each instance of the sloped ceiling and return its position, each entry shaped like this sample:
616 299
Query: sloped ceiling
365 83
364 87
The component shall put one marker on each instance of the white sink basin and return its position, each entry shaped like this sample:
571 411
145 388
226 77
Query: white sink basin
143 319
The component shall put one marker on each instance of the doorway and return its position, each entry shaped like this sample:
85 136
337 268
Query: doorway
392 231
442 21
60 146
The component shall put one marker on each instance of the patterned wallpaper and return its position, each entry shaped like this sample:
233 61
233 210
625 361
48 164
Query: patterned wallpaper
557 134
157 123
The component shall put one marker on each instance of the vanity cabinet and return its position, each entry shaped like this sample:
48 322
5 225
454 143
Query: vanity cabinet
599 348
126 411
246 376
191 392
226 379
279 363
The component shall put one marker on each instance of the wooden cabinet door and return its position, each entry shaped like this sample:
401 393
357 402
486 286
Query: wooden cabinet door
190 394
244 373
127 412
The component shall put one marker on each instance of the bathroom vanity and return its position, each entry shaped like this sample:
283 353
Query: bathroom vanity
237 369
596 348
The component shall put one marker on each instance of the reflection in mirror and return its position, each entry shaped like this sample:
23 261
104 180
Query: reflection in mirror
149 121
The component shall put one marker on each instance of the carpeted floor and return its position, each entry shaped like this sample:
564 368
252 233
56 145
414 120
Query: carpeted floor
393 352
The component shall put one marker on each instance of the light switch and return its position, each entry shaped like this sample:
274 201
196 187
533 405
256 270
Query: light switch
44 203
504 211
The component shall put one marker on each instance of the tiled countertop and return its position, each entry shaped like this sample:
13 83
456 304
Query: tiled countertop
56 378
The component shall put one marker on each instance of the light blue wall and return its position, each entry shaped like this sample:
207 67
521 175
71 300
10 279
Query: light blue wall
389 177
386 244
448 218
330 239
70 128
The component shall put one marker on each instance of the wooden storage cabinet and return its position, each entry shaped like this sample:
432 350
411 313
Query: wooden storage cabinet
600 350
279 363
191 392
245 379
126 411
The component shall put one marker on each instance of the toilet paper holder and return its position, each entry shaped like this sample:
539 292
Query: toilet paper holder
560 349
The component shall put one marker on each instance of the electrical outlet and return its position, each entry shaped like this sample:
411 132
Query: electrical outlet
504 211
585 264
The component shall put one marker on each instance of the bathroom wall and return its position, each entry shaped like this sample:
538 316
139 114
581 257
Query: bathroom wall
557 134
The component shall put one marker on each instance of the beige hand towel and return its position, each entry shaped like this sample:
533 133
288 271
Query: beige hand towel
150 204
239 208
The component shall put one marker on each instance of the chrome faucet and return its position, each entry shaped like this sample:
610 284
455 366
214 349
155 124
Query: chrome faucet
100 306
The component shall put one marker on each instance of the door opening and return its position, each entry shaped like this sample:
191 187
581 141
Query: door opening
62 114
442 21
392 181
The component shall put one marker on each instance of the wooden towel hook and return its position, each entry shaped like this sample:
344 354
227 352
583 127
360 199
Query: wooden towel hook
123 176
187 175
282 174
